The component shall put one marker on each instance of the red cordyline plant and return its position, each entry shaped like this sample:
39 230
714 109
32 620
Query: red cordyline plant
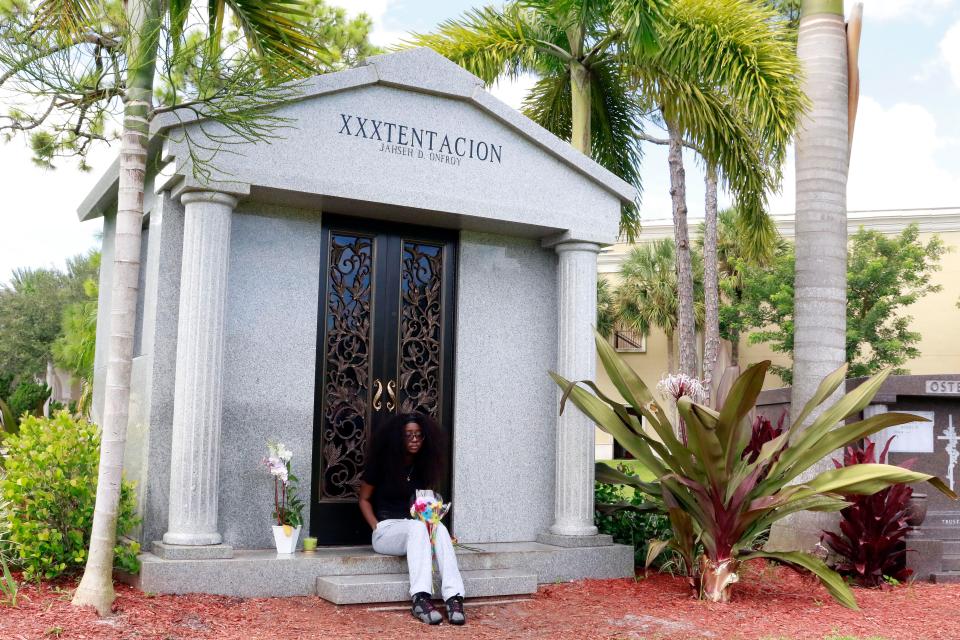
873 527
717 498
762 431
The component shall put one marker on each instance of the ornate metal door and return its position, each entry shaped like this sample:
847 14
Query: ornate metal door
384 345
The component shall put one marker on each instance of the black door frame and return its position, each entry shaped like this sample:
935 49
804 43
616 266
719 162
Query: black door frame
384 357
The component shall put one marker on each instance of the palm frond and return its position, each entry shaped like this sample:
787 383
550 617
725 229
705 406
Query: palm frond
548 104
273 29
491 43
739 47
615 114
642 24
179 12
647 294
720 132
68 18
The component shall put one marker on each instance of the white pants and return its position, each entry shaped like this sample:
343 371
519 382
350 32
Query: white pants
410 538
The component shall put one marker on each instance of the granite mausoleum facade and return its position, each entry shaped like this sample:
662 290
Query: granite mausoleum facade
408 243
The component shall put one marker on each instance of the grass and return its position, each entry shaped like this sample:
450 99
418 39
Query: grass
634 466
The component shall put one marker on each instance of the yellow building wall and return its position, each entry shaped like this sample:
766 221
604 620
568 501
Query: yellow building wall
935 316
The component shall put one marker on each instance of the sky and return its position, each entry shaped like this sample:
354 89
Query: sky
906 150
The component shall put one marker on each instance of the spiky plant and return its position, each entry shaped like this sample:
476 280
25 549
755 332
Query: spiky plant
762 431
715 497
873 527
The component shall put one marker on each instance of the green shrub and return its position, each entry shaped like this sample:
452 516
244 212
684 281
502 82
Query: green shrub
28 397
6 385
626 526
51 486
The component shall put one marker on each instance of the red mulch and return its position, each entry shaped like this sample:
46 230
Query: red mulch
768 603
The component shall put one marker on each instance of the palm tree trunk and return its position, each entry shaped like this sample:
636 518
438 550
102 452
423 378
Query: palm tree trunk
685 314
580 108
820 286
735 348
671 354
96 586
711 284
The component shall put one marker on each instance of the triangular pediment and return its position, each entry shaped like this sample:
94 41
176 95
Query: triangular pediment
413 129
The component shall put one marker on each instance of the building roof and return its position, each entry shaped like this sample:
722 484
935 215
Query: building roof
421 70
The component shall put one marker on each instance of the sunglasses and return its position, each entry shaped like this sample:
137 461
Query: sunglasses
413 436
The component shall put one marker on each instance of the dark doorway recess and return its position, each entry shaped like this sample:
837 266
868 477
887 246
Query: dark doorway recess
384 346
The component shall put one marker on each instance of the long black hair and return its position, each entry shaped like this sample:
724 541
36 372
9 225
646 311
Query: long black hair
388 449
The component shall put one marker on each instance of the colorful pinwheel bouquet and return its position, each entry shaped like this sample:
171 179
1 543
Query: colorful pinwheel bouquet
430 508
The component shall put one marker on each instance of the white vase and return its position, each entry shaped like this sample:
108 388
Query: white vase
286 538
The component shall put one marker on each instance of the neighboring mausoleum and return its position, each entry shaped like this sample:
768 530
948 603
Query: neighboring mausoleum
929 445
409 243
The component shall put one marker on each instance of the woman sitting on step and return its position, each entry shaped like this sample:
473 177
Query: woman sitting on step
409 454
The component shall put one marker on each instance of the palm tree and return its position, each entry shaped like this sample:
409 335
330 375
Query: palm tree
724 83
733 255
606 313
711 281
820 285
647 295
271 31
708 65
576 48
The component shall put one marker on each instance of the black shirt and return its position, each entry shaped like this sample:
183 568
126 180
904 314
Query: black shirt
392 497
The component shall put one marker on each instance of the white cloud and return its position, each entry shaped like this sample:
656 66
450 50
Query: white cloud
373 8
950 52
894 162
513 92
376 9
891 9
38 215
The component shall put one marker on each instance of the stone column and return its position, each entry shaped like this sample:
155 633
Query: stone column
195 454
576 360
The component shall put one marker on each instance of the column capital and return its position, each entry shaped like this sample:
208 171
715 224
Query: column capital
577 245
573 238
180 185
213 197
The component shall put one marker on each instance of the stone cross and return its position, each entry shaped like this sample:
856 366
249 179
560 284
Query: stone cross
950 435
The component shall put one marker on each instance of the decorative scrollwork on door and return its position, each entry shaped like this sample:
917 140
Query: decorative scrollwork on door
348 347
421 328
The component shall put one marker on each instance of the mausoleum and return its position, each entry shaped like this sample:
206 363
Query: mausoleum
408 243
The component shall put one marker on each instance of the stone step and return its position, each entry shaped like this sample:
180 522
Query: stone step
395 587
260 573
950 562
947 577
951 547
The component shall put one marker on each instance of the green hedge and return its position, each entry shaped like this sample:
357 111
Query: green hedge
51 486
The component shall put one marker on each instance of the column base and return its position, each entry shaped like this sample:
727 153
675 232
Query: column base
167 551
557 540
192 539
574 528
